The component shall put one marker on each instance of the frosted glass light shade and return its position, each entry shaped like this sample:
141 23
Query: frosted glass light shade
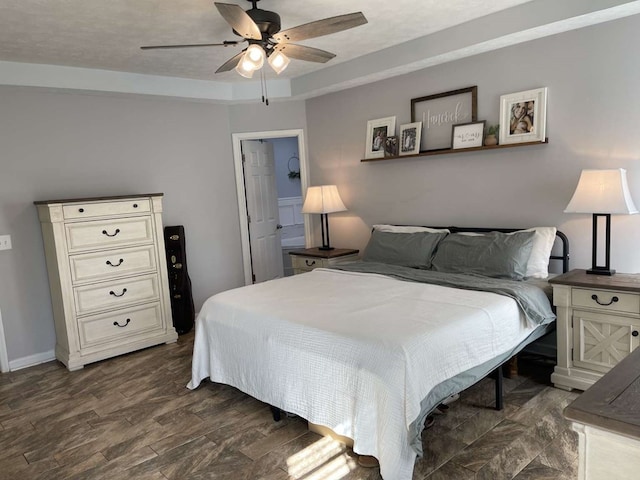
255 54
323 199
245 67
278 61
602 191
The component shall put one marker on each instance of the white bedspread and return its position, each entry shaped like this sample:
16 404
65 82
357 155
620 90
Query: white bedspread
354 352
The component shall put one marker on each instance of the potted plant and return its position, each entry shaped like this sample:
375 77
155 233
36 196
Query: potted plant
492 135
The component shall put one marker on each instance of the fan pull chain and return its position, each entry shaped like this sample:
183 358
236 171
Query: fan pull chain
263 88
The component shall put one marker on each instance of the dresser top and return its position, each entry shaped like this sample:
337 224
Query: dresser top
97 199
613 402
580 278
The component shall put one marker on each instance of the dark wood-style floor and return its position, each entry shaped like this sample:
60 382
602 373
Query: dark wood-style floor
131 417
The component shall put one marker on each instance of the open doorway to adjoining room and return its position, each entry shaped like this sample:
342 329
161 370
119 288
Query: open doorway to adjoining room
271 177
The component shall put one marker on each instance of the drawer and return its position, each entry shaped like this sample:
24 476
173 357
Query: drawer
116 294
608 300
299 262
112 264
101 209
84 236
118 325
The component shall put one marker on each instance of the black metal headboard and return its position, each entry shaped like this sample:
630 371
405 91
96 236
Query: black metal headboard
564 241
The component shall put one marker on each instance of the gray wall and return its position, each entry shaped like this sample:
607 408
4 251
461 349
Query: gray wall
60 145
592 78
65 145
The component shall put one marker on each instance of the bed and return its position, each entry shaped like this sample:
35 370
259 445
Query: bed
369 349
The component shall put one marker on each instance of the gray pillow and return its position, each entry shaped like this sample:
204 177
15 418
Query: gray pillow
493 254
405 249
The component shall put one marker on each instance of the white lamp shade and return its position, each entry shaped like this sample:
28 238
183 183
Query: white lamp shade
323 199
602 191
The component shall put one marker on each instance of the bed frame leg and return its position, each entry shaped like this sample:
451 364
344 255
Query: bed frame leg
275 411
498 375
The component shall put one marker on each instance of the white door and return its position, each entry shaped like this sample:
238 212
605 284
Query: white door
262 210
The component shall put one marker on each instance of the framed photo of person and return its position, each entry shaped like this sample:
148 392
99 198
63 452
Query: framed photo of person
377 131
391 146
410 138
466 135
523 116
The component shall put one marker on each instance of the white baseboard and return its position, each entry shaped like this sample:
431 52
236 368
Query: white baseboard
32 360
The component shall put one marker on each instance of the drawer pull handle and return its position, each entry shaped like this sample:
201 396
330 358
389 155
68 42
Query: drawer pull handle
104 232
135 205
124 290
117 264
122 326
81 210
313 262
613 300
634 333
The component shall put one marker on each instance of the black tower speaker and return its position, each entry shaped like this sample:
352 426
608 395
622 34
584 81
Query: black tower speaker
182 308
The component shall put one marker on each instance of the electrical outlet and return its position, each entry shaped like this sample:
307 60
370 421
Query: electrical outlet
5 242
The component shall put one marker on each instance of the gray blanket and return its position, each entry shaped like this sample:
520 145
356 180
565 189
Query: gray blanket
531 299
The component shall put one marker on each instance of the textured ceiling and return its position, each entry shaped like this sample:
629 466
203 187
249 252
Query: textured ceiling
107 34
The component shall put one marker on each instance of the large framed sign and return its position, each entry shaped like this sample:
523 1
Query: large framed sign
438 113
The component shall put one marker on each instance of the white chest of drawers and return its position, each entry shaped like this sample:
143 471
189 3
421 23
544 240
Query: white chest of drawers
107 275
598 325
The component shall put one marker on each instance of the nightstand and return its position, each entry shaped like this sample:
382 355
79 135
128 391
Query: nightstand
310 258
597 325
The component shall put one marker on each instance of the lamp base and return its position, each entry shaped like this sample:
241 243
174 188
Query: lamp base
326 248
601 271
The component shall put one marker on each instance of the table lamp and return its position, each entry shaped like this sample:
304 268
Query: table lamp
602 193
324 199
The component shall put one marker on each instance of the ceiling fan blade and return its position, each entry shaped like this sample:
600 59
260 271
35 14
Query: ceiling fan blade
239 20
231 63
321 27
230 43
300 52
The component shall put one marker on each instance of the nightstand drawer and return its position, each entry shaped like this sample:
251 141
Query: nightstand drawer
87 210
606 300
308 263
83 236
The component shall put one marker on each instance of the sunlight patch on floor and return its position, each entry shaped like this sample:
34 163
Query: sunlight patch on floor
325 459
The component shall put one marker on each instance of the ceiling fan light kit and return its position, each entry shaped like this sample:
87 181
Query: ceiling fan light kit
278 61
261 29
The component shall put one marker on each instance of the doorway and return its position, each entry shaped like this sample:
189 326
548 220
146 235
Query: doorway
260 250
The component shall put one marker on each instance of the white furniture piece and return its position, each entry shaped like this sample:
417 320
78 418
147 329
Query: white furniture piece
608 425
107 275
598 325
310 258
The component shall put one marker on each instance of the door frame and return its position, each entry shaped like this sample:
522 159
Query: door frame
237 139
4 359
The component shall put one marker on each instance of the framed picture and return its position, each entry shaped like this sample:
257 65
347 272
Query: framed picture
439 112
377 131
410 138
523 116
391 146
467 135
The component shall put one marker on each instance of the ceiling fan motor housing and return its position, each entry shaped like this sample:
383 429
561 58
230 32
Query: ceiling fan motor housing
268 22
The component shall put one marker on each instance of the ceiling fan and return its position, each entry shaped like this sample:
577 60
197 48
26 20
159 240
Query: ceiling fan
261 30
